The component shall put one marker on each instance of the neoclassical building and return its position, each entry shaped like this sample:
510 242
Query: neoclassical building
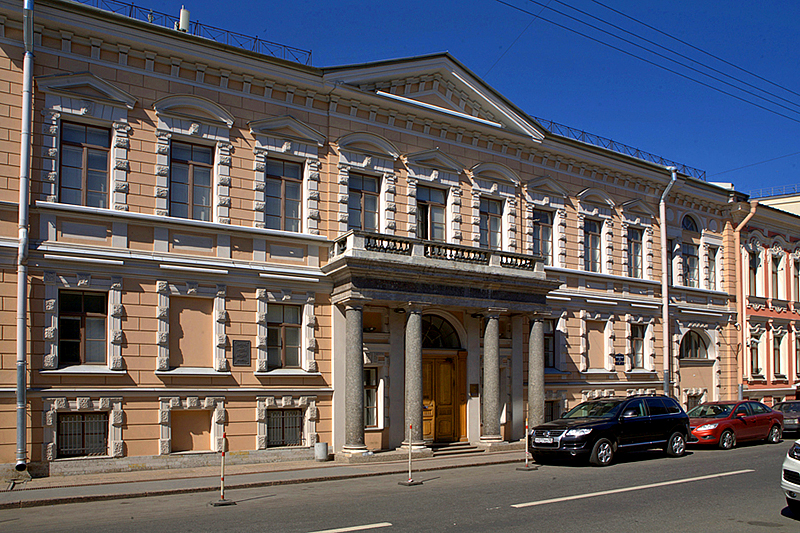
369 256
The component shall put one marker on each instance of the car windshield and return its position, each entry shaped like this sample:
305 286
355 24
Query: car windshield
599 409
711 410
794 406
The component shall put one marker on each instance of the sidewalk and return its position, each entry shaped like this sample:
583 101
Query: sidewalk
119 485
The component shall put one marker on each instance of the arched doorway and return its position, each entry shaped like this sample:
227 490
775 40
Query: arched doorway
444 395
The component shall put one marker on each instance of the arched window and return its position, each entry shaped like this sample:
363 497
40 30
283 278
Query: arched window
689 224
438 333
693 346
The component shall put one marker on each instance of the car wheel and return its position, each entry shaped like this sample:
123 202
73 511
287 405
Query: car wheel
602 453
727 440
794 507
676 445
774 435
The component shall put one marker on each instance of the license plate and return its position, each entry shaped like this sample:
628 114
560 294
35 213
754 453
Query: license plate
543 440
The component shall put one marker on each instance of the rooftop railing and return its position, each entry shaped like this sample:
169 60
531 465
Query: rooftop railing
254 44
614 146
779 190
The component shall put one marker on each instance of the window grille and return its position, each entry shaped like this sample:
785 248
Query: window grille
285 427
82 434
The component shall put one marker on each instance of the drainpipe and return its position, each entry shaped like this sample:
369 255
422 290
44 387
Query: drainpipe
22 254
662 213
741 309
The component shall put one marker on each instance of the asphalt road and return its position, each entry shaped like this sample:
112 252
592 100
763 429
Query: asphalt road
706 491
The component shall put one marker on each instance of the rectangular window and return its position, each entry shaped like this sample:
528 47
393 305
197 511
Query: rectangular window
777 366
190 181
551 410
637 345
191 332
82 434
491 223
82 327
283 192
595 336
796 281
775 265
543 235
796 358
362 205
591 244
285 427
371 397
755 359
83 179
549 344
635 255
712 268
670 259
431 205
691 265
283 336
693 400
754 266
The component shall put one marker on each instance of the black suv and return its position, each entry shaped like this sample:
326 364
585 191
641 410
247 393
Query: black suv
600 428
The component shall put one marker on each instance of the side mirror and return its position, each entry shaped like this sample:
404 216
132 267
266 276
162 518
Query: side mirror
629 413
741 415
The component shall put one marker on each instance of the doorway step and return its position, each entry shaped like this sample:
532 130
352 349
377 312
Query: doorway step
441 449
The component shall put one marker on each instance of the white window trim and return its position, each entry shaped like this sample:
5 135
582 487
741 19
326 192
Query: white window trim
308 404
308 348
436 179
215 405
374 166
112 286
756 336
52 406
649 343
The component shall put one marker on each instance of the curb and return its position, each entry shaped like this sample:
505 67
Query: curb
21 504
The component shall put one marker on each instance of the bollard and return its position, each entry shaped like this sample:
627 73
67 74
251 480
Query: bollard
222 502
528 467
410 482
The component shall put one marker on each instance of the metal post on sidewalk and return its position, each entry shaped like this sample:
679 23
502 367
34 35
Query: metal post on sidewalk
410 481
222 502
528 467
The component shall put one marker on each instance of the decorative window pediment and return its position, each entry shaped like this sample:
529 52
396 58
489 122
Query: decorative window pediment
85 86
287 128
637 212
433 165
595 202
495 172
195 108
368 143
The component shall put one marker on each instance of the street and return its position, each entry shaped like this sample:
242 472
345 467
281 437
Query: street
707 490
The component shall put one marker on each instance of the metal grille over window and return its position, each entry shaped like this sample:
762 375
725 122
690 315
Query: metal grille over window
84 165
285 427
82 434
190 181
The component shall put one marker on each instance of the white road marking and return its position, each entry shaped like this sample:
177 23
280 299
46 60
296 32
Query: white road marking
629 489
354 528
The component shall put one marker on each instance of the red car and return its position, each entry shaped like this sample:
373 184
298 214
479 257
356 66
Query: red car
724 424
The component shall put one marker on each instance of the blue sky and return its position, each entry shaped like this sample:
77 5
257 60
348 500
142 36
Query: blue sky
556 74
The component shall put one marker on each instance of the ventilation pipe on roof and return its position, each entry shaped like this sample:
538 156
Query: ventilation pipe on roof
22 253
662 213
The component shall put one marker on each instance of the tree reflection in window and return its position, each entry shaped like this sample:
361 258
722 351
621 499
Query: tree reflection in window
693 346
438 333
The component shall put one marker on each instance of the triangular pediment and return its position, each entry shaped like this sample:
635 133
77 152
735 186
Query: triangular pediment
638 206
86 86
548 185
436 84
193 107
287 127
435 159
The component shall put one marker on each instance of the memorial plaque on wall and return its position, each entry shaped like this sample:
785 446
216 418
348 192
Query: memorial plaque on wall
241 353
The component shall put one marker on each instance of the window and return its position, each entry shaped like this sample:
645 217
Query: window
362 207
491 211
371 397
82 327
693 400
190 181
796 358
712 268
754 266
775 278
430 213
777 365
755 357
591 243
82 434
635 253
796 281
83 179
549 344
282 195
551 410
670 259
285 427
691 265
637 346
283 336
693 346
543 235
689 224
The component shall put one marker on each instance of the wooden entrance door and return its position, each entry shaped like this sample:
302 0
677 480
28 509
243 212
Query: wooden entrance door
441 415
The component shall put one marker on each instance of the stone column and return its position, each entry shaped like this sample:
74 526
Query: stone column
354 380
413 377
491 379
536 372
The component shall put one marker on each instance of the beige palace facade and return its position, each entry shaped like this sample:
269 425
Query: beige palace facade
226 243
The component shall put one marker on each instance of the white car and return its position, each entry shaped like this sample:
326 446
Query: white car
790 479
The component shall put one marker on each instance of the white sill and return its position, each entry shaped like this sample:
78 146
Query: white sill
601 371
81 458
288 372
640 371
84 370
191 371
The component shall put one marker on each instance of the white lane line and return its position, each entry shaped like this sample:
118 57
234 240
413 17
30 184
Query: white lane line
354 528
629 489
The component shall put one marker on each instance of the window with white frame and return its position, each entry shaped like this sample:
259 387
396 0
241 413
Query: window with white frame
190 183
756 365
283 336
691 265
543 235
776 277
491 223
777 355
431 209
796 280
283 195
82 327
713 284
754 271
370 397
591 243
635 253
362 203
85 153
637 346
